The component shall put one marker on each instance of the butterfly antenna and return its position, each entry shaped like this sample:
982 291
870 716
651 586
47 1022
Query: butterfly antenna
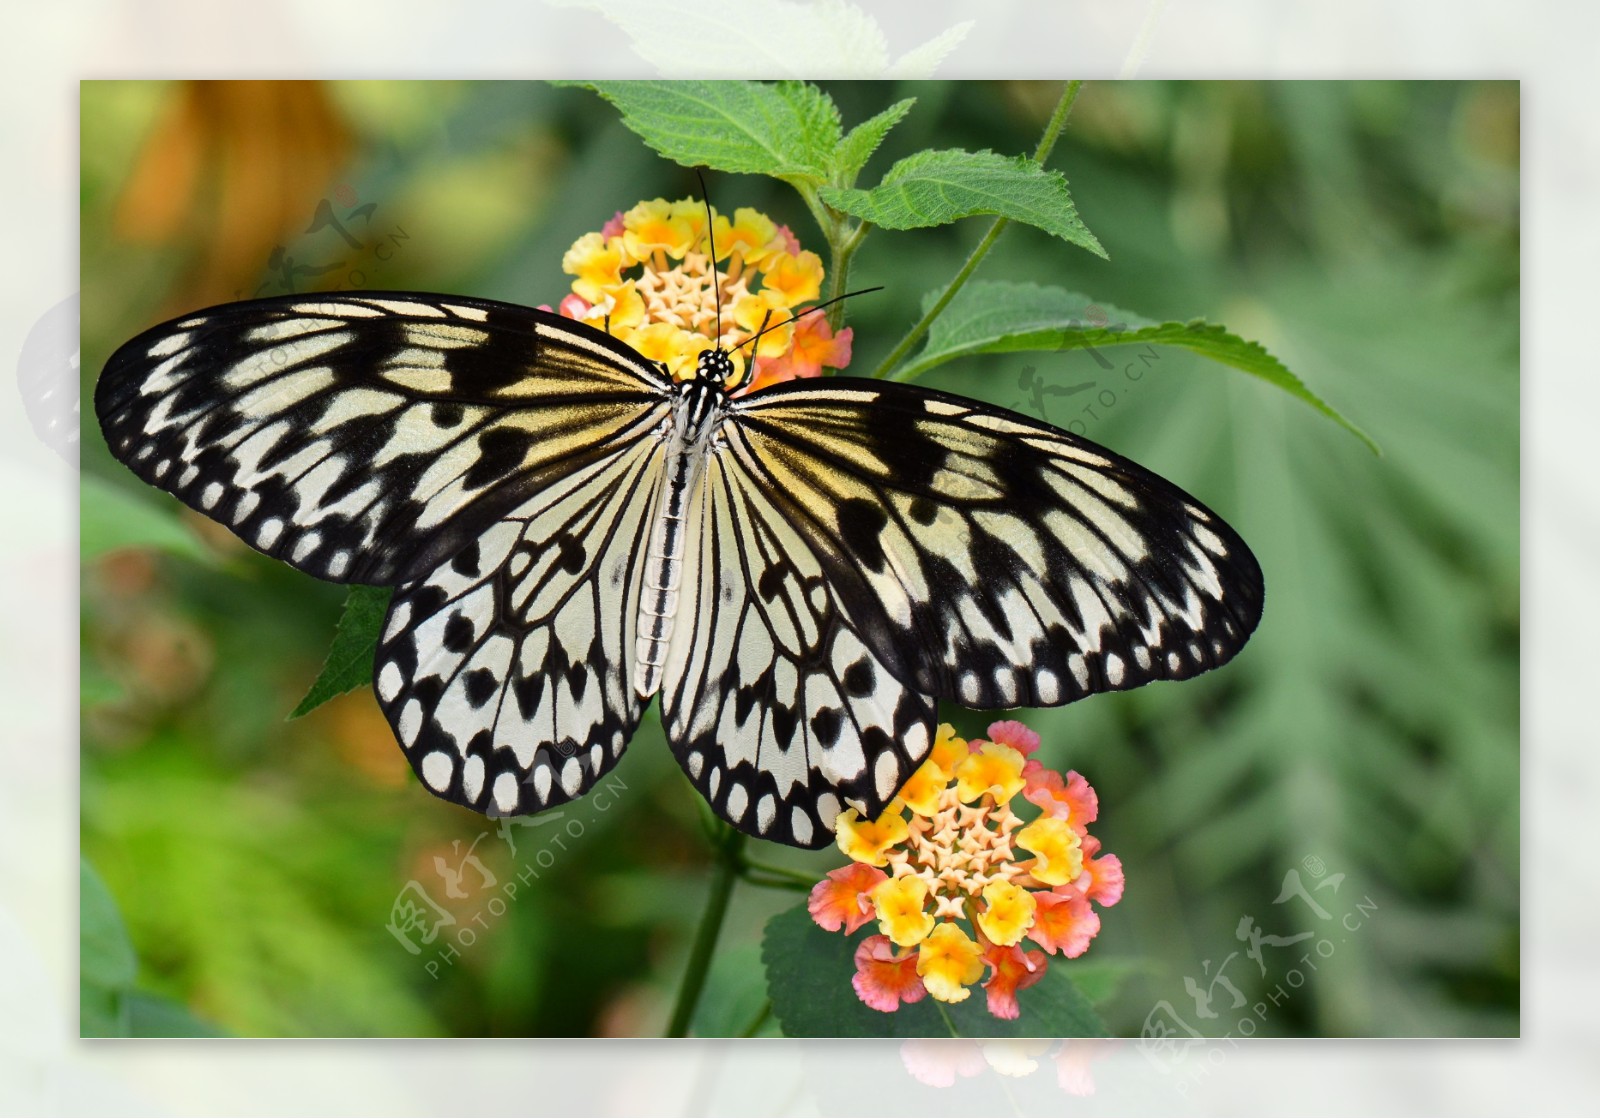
711 243
820 306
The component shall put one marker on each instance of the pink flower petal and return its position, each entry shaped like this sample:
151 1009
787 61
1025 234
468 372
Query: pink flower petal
841 901
883 980
1009 732
1063 921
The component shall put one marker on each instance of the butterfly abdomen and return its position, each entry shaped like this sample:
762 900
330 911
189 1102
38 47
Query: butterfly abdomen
693 422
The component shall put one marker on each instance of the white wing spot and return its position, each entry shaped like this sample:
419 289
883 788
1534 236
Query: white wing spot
738 801
267 534
211 495
437 769
410 721
886 773
389 682
541 783
171 344
472 778
572 777
766 813
505 792
306 545
1114 668
800 824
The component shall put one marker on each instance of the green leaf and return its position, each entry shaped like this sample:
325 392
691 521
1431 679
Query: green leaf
111 517
997 318
105 954
150 1015
939 187
107 963
858 145
789 130
734 993
808 979
349 663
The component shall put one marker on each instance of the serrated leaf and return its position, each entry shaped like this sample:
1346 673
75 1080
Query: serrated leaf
788 130
349 663
861 141
995 318
111 517
808 979
939 187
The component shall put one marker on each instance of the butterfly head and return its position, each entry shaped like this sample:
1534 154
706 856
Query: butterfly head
716 365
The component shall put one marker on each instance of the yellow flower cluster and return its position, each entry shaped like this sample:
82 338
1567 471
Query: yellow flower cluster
956 880
647 278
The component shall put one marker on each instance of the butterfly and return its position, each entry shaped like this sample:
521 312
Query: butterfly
798 573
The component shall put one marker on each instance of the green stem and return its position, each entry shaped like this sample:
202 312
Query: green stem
799 878
945 1014
1047 142
844 246
729 844
759 1020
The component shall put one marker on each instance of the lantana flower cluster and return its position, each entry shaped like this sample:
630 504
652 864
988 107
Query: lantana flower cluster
958 882
647 278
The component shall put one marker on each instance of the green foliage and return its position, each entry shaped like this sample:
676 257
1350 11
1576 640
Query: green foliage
355 641
118 516
809 970
997 317
789 130
860 142
940 187
109 1003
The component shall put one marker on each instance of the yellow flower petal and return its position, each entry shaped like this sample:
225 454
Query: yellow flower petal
948 750
1059 847
995 769
868 841
752 235
921 793
797 278
900 904
597 264
620 309
1008 913
654 226
949 961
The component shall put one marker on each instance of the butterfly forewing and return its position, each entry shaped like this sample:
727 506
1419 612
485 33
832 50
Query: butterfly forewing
993 560
777 710
368 438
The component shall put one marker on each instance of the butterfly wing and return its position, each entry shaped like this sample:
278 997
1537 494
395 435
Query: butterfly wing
368 438
991 559
506 671
774 705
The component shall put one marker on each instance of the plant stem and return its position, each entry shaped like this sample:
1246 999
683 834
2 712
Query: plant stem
729 844
759 1020
795 876
1052 132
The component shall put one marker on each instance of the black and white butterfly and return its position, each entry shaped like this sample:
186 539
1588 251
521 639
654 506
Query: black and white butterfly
799 572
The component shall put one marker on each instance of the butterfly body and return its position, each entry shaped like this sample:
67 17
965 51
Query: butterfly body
795 574
698 408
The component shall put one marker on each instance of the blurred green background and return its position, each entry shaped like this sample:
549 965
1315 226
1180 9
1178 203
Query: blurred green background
1366 233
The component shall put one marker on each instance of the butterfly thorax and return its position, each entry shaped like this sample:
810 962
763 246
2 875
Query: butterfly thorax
697 410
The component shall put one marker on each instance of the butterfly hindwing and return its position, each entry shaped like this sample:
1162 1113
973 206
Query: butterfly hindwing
776 709
997 561
366 438
505 672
